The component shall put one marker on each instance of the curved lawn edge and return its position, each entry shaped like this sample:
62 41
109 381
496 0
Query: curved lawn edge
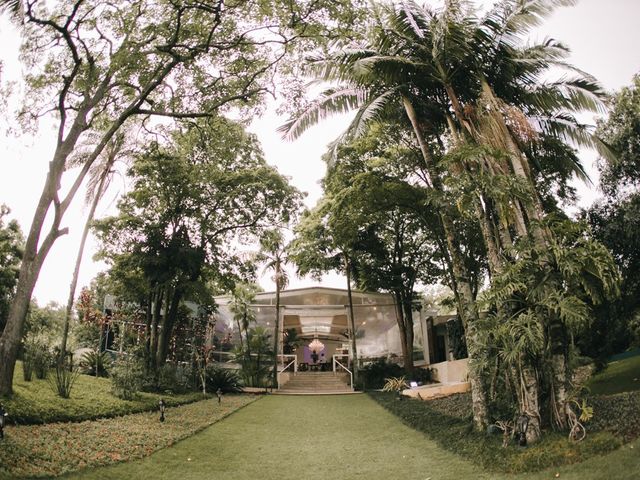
59 448
455 434
146 402
35 403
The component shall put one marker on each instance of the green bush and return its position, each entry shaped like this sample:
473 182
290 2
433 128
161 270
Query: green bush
421 375
453 431
224 379
175 378
27 369
93 361
374 375
127 377
38 356
34 402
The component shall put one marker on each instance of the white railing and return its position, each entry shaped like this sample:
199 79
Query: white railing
337 363
293 361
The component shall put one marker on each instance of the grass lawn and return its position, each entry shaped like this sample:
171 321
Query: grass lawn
91 398
56 448
620 376
331 437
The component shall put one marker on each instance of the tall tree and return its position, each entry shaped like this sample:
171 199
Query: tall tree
11 251
273 254
621 130
615 221
151 58
191 202
468 80
319 248
100 178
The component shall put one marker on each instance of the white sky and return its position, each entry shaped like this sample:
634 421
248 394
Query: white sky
603 35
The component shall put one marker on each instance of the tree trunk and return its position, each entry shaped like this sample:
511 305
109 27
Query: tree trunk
168 322
406 356
157 309
29 270
467 308
558 342
76 270
352 320
529 403
408 341
276 343
147 327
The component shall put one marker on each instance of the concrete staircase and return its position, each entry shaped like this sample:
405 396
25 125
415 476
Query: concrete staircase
316 383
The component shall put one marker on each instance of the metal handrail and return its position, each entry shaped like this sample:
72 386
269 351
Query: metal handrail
294 361
287 366
335 361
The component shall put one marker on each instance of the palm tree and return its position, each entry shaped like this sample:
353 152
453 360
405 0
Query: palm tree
100 178
469 74
243 313
374 80
274 254
14 8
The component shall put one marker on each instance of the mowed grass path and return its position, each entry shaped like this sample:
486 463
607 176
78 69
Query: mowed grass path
318 438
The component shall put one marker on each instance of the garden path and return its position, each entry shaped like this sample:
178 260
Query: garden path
325 438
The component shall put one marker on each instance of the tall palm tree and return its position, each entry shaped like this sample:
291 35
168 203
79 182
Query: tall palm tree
274 254
243 312
376 81
100 178
471 75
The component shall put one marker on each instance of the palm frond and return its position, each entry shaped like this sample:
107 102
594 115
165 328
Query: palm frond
14 8
332 101
567 128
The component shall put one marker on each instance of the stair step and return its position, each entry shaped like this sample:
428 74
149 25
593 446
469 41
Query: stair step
316 383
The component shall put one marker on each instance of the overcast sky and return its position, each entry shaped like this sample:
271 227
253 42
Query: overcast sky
603 36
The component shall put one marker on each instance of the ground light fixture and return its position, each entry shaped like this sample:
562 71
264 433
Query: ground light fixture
162 408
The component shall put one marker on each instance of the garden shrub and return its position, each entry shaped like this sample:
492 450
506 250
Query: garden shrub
65 375
174 378
224 379
127 376
374 375
27 368
93 361
37 354
421 375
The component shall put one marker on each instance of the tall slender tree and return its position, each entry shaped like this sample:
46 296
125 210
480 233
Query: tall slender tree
273 253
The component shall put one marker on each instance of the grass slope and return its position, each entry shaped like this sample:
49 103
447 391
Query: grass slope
447 421
53 449
620 376
35 402
319 438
